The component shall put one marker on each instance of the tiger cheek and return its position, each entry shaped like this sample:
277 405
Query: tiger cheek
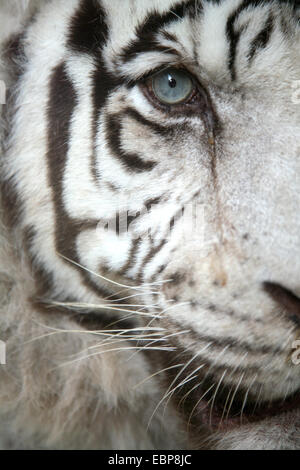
149 224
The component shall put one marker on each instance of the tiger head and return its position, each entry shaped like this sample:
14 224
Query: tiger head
154 154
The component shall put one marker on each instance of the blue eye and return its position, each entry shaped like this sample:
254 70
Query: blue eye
172 86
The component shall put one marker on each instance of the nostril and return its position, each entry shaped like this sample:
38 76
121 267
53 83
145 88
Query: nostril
284 297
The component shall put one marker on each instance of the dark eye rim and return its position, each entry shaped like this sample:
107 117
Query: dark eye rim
191 105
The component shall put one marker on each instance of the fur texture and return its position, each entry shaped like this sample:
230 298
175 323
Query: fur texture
83 139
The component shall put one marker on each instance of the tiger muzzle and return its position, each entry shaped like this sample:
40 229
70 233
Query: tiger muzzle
263 384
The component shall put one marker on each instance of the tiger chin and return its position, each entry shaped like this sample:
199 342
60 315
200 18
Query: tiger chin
150 224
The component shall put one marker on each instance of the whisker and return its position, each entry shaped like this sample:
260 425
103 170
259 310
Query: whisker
234 394
189 362
231 388
156 373
173 13
224 407
257 399
164 397
105 332
124 338
129 348
188 393
246 398
215 361
165 337
110 280
106 343
79 306
215 395
288 389
196 405
167 309
169 390
192 373
128 296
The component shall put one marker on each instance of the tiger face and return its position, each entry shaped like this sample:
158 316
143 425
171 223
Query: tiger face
154 149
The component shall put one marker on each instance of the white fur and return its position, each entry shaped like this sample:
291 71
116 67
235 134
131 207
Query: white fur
54 392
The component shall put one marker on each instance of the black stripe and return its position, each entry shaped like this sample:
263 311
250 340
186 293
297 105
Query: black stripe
233 343
152 202
170 36
61 106
172 222
13 56
159 271
88 34
131 257
136 243
262 39
132 161
88 31
43 279
156 249
162 131
148 29
147 46
104 83
100 321
174 219
61 103
120 223
234 36
149 257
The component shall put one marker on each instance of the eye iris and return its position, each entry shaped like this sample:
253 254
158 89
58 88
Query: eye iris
172 86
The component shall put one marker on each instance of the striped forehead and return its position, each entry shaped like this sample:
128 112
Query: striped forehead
131 32
126 18
219 39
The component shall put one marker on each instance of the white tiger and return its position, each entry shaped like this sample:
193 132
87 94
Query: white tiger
150 240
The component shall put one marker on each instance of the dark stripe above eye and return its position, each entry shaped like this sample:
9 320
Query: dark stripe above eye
234 36
87 35
88 29
262 39
148 29
132 161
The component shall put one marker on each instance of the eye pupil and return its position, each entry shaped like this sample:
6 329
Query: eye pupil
172 81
